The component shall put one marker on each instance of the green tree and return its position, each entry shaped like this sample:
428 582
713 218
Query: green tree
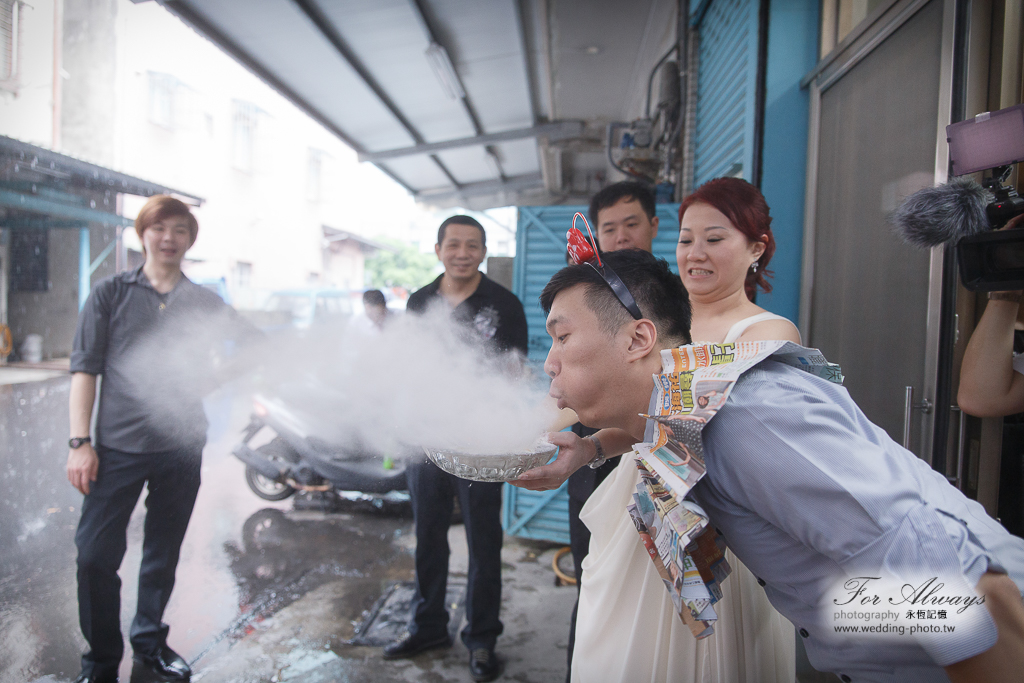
404 267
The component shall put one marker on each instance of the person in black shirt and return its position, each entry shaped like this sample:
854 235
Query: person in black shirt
148 333
494 315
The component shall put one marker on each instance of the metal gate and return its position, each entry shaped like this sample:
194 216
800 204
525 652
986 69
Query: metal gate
724 134
869 301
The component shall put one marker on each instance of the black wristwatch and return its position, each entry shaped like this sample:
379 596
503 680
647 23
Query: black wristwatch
79 441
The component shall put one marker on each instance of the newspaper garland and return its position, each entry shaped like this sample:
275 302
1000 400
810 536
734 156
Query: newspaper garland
694 384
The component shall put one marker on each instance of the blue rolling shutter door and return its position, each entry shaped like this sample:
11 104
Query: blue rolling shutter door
540 252
726 89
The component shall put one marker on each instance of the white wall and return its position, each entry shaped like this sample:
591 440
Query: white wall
264 217
267 216
27 114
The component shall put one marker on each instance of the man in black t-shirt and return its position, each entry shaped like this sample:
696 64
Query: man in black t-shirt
493 314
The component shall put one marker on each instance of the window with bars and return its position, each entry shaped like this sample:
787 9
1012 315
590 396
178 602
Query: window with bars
314 172
30 251
243 135
243 274
839 18
10 48
162 90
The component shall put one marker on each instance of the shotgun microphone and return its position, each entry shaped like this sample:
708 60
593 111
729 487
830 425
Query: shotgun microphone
944 214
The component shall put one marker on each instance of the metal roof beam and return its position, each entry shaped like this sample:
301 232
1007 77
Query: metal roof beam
204 27
63 167
553 131
327 29
531 84
467 105
33 204
513 184
428 28
34 223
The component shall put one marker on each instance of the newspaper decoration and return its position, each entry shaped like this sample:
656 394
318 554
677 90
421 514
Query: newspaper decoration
693 386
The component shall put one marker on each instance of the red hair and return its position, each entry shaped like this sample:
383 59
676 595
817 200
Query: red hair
160 207
745 207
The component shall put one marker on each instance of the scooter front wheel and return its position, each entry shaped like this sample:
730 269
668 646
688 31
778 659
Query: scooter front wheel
265 488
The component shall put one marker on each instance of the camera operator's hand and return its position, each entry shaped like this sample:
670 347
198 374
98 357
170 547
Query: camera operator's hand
1016 221
989 385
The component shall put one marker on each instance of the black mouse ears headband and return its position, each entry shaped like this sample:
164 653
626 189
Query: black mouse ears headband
583 252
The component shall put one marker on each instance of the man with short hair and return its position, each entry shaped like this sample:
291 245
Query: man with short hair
139 330
495 316
804 489
376 308
623 217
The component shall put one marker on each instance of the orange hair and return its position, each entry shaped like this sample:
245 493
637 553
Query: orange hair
160 207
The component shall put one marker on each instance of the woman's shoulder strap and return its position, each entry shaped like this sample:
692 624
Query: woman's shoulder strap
737 330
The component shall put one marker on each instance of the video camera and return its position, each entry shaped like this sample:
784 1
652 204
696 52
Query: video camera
967 214
992 260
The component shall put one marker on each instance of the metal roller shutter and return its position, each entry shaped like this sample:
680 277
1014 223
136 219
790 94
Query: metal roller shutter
723 140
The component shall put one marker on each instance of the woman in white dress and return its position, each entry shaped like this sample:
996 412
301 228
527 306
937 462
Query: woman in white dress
627 628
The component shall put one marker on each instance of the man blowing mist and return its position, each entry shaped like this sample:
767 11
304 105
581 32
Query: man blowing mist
624 217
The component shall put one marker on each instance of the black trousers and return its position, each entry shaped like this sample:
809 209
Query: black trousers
433 494
173 482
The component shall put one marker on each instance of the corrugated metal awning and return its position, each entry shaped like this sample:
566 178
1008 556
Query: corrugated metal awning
457 100
43 189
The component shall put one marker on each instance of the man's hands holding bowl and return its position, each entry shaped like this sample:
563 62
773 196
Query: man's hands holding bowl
573 453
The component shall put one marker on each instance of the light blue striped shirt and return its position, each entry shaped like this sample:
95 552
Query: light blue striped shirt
808 493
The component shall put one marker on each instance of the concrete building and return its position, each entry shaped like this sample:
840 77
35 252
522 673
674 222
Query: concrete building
129 87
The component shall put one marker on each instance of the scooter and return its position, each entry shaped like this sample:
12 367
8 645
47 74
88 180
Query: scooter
290 457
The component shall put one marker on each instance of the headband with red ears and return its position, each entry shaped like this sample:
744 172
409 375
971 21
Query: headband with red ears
582 252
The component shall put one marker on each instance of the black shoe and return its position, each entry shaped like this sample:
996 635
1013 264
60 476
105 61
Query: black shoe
483 665
412 645
165 665
96 678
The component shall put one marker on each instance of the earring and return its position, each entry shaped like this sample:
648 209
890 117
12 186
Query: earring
753 266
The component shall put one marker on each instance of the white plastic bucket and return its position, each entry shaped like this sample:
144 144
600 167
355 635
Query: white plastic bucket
32 349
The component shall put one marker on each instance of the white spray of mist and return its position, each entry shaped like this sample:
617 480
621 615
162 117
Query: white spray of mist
422 381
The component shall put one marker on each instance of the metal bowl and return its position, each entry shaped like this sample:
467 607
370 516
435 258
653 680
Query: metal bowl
502 467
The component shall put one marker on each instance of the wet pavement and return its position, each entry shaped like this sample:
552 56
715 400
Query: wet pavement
264 593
